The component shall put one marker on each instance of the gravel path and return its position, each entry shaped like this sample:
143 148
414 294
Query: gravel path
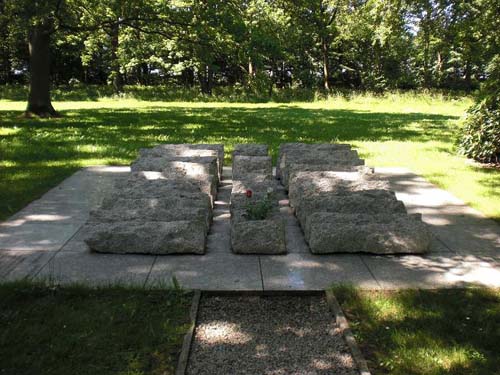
268 335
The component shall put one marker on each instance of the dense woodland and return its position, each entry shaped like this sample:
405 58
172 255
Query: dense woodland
256 44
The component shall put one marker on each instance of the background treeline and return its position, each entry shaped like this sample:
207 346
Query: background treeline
255 45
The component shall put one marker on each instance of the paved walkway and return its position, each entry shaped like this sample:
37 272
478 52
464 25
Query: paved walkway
44 240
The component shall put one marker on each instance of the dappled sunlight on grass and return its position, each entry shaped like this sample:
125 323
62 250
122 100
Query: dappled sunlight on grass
426 332
414 132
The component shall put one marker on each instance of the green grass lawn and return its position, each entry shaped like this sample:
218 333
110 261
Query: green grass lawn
414 131
425 332
78 330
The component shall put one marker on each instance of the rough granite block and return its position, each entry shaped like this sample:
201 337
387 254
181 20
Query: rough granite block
187 148
258 236
297 148
243 165
176 237
355 203
251 149
156 213
379 234
338 166
335 183
181 165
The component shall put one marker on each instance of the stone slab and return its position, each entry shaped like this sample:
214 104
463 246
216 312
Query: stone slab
409 271
151 214
328 233
146 237
243 165
338 183
351 204
251 149
258 236
201 147
214 271
314 272
97 269
19 265
36 236
339 166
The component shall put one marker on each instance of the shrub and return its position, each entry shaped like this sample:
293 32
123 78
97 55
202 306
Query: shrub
481 134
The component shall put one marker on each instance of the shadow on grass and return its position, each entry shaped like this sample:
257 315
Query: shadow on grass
447 331
46 149
82 330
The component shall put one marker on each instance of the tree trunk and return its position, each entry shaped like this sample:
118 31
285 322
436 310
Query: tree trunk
39 102
116 76
326 72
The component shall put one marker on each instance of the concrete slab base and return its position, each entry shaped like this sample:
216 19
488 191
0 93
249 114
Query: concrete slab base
45 241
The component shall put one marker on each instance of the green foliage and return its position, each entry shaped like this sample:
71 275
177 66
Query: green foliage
480 138
263 46
258 210
409 129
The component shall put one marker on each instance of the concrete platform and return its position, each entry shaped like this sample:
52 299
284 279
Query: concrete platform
44 241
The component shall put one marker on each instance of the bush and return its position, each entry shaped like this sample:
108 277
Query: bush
481 134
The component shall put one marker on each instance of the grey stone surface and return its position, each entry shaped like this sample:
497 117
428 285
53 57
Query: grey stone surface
153 185
355 203
212 272
201 147
243 165
187 150
258 183
251 149
151 214
18 265
258 236
338 166
410 271
379 234
176 200
186 166
176 237
301 147
38 236
338 183
97 269
314 272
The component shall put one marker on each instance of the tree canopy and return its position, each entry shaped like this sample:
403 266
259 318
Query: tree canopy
258 44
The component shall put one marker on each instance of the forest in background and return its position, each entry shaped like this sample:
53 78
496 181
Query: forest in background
254 45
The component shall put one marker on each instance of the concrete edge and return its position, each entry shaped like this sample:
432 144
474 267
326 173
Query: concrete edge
188 337
343 324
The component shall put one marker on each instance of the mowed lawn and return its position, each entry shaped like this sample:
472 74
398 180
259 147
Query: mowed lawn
417 132
426 332
47 329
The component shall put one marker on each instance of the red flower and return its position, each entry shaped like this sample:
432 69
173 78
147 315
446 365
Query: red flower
248 193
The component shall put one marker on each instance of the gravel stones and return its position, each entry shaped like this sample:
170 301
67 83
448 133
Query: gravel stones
268 335
164 206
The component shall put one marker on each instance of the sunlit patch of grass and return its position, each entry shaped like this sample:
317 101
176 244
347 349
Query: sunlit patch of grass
426 332
406 130
47 329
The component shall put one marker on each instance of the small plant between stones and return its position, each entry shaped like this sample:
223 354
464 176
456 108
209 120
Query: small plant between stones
258 210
